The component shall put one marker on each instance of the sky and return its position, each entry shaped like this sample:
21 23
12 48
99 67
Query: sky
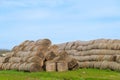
58 20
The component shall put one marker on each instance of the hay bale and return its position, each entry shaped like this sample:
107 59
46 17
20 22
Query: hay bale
71 52
32 67
96 64
50 55
22 66
83 64
1 66
8 66
5 59
75 45
104 65
35 59
53 48
117 58
9 54
69 45
43 42
15 60
99 52
50 66
62 66
101 41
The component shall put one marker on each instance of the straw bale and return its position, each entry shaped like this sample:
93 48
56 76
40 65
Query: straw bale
74 47
22 66
69 45
1 66
7 67
50 55
9 54
15 60
50 66
35 59
32 67
44 42
62 66
62 46
101 41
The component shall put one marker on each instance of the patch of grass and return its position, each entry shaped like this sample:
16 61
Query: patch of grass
81 74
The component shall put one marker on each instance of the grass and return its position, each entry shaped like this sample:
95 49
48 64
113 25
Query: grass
81 74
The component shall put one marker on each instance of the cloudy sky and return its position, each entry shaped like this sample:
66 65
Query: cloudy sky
58 20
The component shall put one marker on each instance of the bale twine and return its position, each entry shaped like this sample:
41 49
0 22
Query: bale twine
50 66
15 60
62 66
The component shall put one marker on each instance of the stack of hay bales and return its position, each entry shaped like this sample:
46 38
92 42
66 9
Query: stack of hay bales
37 56
100 53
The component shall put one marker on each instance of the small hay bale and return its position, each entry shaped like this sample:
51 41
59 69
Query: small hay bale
15 60
35 59
50 55
33 67
62 66
50 66
43 42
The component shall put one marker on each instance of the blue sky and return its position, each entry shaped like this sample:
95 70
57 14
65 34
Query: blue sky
58 20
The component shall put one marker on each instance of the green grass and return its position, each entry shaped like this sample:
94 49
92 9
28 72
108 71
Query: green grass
81 74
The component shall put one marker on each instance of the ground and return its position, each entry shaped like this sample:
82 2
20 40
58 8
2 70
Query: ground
81 74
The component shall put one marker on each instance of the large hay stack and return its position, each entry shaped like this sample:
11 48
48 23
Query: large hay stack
35 56
100 53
